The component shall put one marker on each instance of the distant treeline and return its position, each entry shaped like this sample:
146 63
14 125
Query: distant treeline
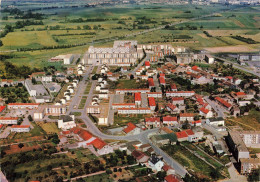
186 27
18 14
207 34
11 71
18 25
243 39
87 33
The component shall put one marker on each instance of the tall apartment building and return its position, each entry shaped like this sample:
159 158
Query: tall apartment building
251 138
123 53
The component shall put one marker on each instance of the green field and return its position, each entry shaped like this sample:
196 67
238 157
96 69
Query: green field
122 20
82 102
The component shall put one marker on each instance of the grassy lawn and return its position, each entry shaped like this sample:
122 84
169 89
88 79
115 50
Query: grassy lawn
88 87
94 70
76 113
187 159
250 122
205 156
82 102
128 84
36 131
123 120
99 178
49 127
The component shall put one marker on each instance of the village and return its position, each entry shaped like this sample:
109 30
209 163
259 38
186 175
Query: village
163 108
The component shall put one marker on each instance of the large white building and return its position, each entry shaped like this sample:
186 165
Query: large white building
30 88
123 53
8 120
66 122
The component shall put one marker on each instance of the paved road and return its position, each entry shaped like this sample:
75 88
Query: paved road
142 137
216 107
234 176
236 65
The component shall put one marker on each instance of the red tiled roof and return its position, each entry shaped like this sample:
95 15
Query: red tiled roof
171 178
195 68
186 115
166 167
130 127
161 80
138 154
229 77
98 143
13 104
147 63
21 126
162 75
134 108
2 108
150 82
189 132
151 101
181 92
204 110
181 134
85 135
154 92
65 132
8 118
173 86
177 98
196 122
152 119
109 73
1 126
169 118
138 96
188 72
240 93
123 104
171 106
222 101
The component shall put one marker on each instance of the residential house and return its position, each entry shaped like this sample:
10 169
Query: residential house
206 113
216 121
180 93
20 128
186 117
172 108
131 129
178 100
140 157
138 98
8 120
155 163
152 122
66 122
134 111
170 121
154 94
152 103
224 103
150 82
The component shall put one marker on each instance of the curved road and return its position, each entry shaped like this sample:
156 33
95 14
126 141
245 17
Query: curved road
142 137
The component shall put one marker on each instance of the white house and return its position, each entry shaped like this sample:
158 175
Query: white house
216 121
20 128
206 113
8 120
155 163
47 78
66 122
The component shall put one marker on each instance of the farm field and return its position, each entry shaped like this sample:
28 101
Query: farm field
84 26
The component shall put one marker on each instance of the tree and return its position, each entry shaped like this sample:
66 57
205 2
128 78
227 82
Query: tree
131 77
20 145
108 171
30 118
55 139
1 43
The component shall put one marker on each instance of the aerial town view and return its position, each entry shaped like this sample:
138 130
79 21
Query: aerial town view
130 90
